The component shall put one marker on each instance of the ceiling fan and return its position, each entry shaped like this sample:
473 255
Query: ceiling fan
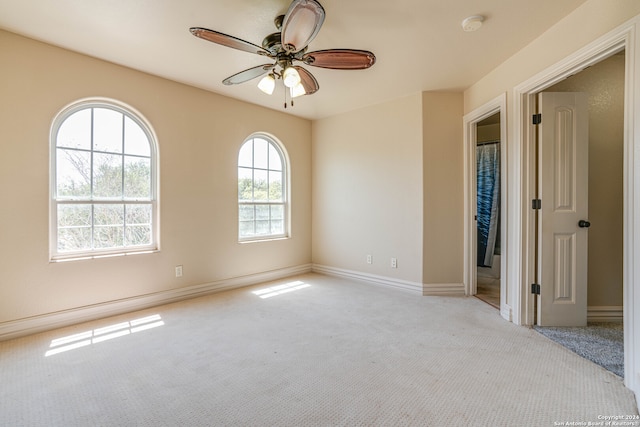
297 28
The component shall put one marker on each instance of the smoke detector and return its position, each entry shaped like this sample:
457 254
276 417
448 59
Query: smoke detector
472 23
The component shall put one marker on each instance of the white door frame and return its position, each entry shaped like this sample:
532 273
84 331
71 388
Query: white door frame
626 37
497 105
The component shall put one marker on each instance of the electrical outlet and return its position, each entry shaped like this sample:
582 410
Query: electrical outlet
394 262
178 271
369 259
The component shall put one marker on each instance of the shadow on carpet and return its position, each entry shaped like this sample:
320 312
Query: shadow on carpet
602 343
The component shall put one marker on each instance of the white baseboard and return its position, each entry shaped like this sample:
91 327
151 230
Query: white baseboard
442 289
605 313
390 282
44 322
506 312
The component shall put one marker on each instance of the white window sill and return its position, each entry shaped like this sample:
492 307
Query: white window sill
263 239
82 257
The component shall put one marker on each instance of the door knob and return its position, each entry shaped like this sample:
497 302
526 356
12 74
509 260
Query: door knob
584 224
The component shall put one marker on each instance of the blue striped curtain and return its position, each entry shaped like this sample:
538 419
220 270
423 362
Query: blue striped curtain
488 209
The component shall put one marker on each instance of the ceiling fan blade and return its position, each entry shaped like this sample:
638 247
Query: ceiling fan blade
308 82
227 40
301 24
248 74
340 59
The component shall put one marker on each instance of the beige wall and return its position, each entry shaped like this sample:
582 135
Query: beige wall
199 134
367 189
387 181
604 82
443 188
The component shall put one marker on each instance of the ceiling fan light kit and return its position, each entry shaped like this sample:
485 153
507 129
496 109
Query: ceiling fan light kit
298 90
267 84
290 77
298 27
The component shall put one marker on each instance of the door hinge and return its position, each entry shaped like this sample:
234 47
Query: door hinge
535 289
536 204
537 119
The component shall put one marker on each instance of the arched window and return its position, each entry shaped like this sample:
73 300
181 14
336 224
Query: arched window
103 181
262 189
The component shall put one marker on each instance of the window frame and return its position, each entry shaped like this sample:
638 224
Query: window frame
54 201
285 203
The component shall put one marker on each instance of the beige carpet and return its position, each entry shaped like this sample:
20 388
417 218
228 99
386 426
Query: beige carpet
318 351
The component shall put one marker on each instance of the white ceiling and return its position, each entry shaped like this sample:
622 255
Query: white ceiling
419 44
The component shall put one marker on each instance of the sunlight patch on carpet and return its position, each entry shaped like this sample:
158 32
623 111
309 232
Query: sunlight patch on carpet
83 339
281 289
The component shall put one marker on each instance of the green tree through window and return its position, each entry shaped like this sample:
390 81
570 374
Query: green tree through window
262 209
103 194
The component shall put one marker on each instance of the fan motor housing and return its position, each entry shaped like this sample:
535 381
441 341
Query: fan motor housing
273 43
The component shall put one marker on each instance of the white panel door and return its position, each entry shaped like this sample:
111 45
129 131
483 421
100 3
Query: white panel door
563 150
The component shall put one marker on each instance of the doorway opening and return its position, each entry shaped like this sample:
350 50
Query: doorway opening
603 84
488 207
486 124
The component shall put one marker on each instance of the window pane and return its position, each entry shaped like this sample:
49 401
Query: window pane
73 173
246 228
262 219
138 214
135 140
138 235
74 239
277 227
246 213
275 186
108 214
277 219
74 215
262 212
137 177
107 175
245 223
108 226
260 153
108 237
245 158
107 130
245 184
262 227
74 227
260 185
75 131
138 228
277 212
275 163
